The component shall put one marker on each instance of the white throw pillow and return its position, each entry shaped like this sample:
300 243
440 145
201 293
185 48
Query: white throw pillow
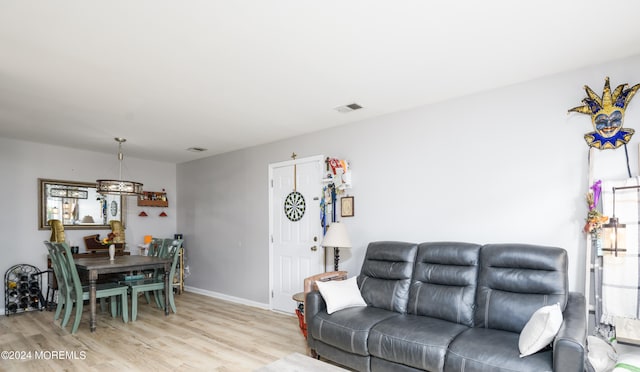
602 355
628 363
340 294
540 330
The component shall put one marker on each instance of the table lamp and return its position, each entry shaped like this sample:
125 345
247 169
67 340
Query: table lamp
336 238
88 219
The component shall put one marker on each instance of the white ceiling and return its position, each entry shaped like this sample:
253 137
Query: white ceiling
224 75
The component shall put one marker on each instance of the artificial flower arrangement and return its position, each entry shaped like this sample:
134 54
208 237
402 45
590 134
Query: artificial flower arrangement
595 219
94 243
109 239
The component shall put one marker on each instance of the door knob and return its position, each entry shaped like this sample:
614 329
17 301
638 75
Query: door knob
314 248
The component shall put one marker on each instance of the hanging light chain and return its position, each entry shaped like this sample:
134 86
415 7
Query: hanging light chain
120 156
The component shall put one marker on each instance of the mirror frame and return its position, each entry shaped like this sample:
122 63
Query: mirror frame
42 205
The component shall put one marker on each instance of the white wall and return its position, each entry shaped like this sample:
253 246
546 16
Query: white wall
509 165
22 163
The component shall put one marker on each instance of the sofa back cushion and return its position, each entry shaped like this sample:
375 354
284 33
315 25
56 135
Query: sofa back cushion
444 281
386 274
515 280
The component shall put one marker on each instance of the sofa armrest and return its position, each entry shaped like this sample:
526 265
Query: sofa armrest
569 347
313 305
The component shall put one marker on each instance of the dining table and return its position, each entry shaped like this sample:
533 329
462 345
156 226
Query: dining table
96 266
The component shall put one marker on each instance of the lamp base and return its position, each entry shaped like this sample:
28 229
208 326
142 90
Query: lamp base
336 258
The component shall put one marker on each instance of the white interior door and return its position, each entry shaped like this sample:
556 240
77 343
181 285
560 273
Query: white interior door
296 252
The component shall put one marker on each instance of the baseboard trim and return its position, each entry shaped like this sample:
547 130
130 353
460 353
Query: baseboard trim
213 294
222 296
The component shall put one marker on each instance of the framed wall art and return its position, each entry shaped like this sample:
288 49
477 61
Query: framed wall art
346 206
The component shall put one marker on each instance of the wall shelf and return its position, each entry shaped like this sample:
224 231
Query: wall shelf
153 199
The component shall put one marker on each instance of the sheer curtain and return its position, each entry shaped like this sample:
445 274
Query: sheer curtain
620 289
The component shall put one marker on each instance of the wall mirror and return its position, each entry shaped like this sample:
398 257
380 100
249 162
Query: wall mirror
77 204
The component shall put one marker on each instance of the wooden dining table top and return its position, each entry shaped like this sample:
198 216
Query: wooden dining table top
96 266
120 263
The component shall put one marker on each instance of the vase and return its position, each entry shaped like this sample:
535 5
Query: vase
112 252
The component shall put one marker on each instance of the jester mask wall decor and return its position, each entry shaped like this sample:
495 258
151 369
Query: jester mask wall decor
607 115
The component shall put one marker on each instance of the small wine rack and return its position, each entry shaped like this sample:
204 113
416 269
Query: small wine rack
23 289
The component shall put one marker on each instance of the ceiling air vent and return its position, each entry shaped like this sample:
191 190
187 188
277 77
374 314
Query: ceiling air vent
348 108
196 149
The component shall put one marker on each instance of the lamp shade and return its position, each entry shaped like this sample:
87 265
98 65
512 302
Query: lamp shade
88 219
336 236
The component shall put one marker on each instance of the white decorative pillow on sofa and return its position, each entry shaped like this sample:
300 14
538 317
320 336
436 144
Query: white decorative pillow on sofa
340 294
540 330
602 355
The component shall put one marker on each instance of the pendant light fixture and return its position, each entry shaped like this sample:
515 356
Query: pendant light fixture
119 186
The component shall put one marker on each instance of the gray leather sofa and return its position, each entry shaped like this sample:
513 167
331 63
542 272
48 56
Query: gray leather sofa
451 306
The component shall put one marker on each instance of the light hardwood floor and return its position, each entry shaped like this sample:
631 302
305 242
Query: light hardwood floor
206 334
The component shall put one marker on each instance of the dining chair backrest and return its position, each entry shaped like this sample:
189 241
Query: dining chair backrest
52 257
63 277
155 247
168 244
55 262
69 271
173 251
164 248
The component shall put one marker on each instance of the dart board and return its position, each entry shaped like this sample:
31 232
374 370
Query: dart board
294 206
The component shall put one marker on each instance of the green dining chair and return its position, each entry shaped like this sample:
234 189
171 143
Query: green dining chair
75 294
170 244
63 290
155 283
157 248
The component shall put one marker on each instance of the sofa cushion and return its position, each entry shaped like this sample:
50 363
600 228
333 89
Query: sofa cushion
340 294
515 280
344 358
482 349
378 364
540 330
602 355
416 341
444 281
348 329
386 275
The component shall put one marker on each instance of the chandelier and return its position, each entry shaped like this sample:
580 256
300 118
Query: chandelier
119 186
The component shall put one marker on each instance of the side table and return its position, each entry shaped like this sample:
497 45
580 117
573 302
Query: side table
299 299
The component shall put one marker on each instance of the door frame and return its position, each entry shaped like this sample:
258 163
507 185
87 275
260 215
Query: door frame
272 166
